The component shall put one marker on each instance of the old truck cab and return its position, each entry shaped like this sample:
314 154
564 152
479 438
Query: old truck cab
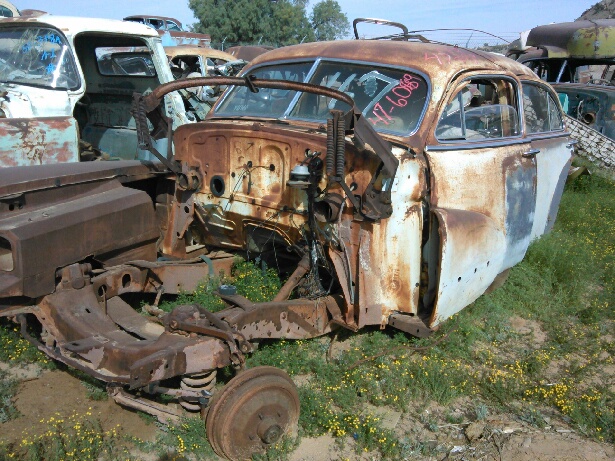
66 87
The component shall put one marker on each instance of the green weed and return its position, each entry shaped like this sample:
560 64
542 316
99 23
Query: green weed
78 438
16 349
184 439
8 387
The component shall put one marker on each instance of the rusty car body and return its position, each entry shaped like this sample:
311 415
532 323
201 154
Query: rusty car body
560 52
66 87
390 182
578 59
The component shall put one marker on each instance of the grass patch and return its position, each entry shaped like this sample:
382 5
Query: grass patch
257 283
17 350
77 437
182 440
8 388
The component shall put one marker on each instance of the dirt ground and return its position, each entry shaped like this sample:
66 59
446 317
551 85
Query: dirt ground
44 394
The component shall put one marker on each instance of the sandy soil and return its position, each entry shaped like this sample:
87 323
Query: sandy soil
43 394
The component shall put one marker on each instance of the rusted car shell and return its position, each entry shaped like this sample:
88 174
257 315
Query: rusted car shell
192 50
170 36
500 224
578 39
440 62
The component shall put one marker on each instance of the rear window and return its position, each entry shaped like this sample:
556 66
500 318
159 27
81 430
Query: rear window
110 61
393 100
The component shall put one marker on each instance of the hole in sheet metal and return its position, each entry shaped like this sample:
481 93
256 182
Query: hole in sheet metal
217 186
6 255
126 279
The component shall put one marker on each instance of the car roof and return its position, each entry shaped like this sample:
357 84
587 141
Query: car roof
589 87
152 16
436 60
195 50
71 25
581 39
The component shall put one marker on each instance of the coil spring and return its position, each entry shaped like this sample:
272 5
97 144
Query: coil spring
330 147
341 147
198 382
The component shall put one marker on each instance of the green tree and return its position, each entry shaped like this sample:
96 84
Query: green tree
277 22
281 22
328 21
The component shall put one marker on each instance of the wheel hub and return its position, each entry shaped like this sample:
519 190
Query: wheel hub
252 412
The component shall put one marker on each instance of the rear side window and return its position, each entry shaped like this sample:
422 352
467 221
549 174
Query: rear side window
483 108
541 111
116 62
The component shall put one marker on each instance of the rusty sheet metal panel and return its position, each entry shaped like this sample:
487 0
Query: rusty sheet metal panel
36 141
108 221
579 39
484 200
389 261
472 249
552 168
495 181
21 180
245 169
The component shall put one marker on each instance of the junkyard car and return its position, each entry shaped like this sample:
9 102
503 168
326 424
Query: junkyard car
7 9
171 30
69 81
578 59
391 182
198 61
593 105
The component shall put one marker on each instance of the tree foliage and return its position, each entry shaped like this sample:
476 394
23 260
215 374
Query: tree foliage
277 22
329 21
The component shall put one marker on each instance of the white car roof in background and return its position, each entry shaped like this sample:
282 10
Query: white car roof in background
72 25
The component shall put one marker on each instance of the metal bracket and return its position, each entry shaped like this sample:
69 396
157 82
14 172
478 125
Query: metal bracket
412 325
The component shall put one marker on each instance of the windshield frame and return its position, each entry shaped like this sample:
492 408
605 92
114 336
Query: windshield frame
286 116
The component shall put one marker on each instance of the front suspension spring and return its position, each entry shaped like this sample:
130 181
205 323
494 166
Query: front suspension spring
198 382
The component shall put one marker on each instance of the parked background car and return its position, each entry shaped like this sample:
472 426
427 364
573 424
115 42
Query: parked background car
67 87
189 61
7 9
578 59
171 30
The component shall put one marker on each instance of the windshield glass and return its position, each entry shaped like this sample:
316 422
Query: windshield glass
392 100
37 56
